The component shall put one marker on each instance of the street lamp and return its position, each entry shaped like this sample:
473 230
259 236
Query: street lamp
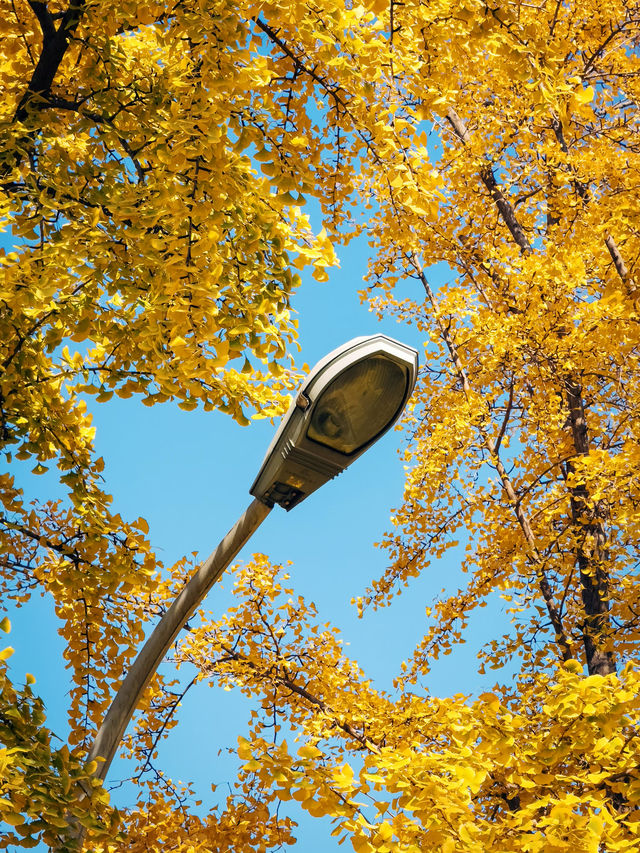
350 398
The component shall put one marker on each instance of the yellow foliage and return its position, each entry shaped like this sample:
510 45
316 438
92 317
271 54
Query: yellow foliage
153 164
552 764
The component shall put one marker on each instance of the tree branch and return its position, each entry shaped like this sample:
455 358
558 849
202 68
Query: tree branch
507 485
294 687
44 19
489 180
590 551
618 260
54 47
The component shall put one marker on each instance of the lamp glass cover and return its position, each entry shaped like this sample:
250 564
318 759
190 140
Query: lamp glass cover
359 404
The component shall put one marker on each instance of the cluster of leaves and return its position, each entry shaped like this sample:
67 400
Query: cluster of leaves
509 770
46 793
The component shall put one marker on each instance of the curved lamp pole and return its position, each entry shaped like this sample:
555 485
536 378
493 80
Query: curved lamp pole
349 399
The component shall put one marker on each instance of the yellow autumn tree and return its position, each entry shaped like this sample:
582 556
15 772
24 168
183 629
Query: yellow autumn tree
498 140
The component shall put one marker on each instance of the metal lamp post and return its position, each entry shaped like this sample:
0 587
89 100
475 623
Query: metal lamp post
349 399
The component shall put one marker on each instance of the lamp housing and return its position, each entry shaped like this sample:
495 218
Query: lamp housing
345 404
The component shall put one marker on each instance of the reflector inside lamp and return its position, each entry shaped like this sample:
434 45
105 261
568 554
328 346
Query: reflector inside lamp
359 404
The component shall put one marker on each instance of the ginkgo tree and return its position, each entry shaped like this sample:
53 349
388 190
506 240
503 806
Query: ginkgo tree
154 158
143 254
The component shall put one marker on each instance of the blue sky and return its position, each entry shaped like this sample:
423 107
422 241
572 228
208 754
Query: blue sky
188 474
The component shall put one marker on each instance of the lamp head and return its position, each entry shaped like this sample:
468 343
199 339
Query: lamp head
349 399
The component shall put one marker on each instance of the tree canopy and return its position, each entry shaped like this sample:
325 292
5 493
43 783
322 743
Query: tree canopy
154 163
